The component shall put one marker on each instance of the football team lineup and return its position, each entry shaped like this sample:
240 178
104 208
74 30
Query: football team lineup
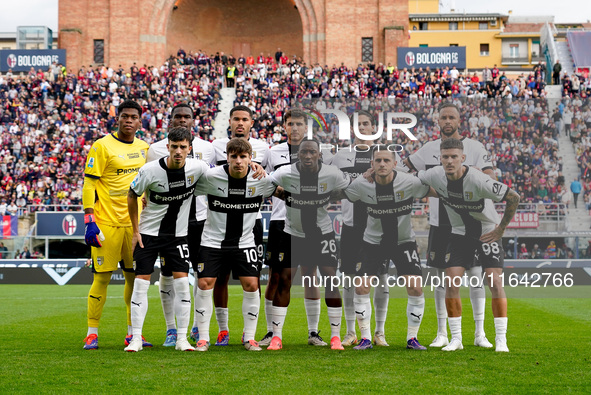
214 203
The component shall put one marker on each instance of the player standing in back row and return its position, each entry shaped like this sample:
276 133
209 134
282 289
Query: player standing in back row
426 157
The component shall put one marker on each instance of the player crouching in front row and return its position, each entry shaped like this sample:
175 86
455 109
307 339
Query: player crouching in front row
169 184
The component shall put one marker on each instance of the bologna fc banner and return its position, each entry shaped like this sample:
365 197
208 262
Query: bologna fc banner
60 225
433 57
23 59
9 225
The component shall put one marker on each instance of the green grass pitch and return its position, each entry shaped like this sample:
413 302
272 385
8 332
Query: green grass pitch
42 328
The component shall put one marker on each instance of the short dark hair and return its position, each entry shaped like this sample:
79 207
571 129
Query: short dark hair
371 117
295 113
129 104
238 146
381 147
241 108
451 144
313 140
448 104
179 134
182 105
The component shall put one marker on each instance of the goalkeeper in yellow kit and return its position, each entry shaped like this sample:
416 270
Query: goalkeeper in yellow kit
111 166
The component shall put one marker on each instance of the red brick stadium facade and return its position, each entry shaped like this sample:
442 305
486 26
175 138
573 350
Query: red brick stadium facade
147 32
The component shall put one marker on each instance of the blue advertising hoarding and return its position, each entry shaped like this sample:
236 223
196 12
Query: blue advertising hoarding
60 225
19 60
433 57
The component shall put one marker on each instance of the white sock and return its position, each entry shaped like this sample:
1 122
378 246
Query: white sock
269 314
363 313
139 305
195 289
251 304
415 307
203 311
440 310
312 313
93 331
501 328
478 299
335 316
455 327
279 314
182 304
381 298
165 284
221 316
349 307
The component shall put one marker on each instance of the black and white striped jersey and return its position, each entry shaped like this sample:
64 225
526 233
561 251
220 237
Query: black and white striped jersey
469 200
428 156
388 207
169 195
201 150
233 207
280 155
354 164
307 196
260 151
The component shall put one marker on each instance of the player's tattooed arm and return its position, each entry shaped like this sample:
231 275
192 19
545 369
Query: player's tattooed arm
337 195
512 200
280 193
133 210
432 193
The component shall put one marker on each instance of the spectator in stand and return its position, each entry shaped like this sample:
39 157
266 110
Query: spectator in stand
576 189
3 251
556 72
536 252
551 250
523 254
25 254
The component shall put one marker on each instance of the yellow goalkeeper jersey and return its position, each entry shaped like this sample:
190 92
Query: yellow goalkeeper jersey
114 164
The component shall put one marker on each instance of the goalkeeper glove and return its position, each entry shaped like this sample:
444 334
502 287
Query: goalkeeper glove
93 236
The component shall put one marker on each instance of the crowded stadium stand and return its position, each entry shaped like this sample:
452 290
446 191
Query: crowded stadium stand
49 119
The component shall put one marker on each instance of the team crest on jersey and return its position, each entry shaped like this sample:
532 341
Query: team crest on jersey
400 195
251 191
198 155
190 180
432 255
200 267
468 195
90 163
99 260
358 266
254 154
447 256
323 187
268 255
162 261
281 255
